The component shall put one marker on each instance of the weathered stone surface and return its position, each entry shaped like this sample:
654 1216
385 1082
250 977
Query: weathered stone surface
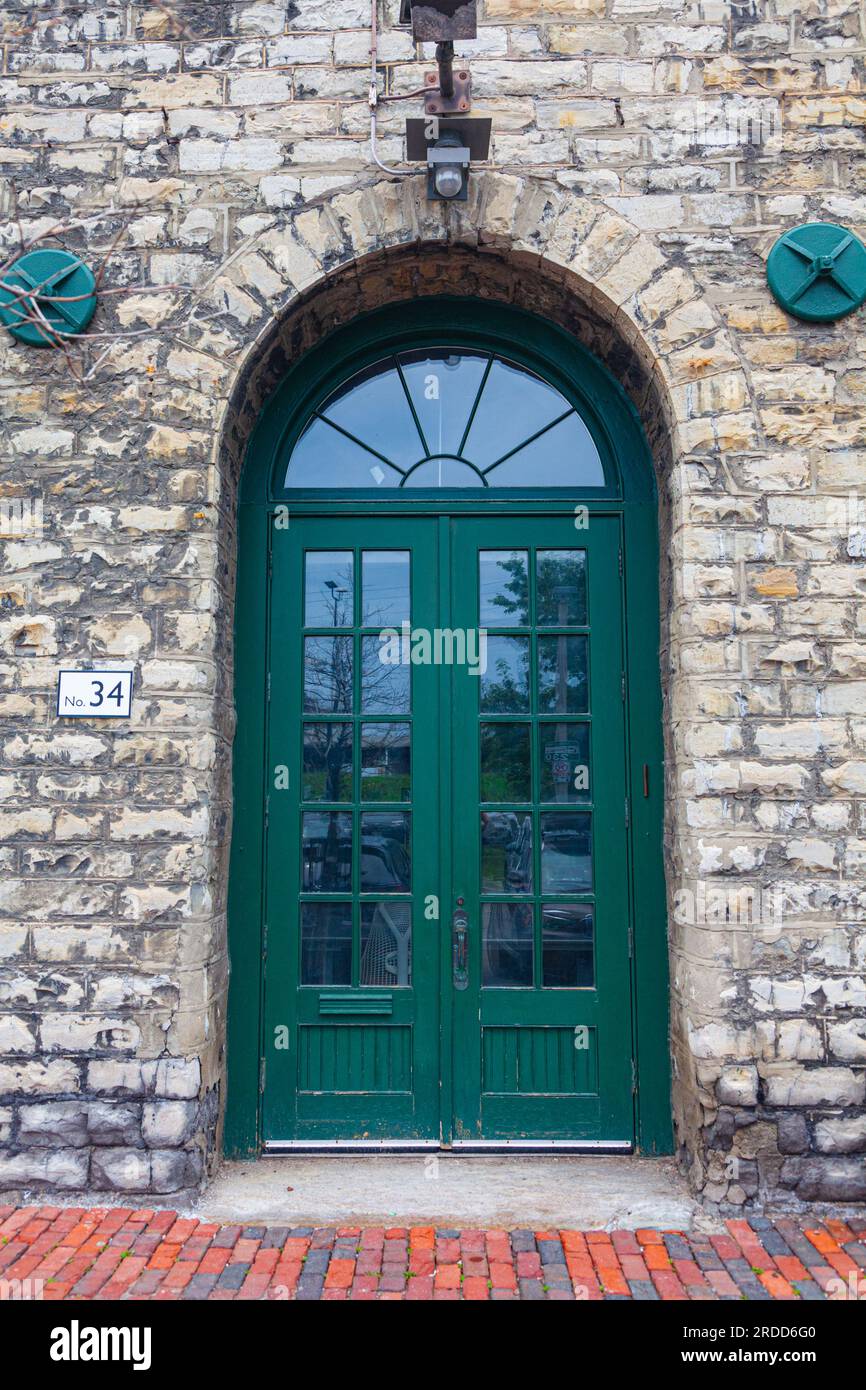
644 160
841 1136
827 1180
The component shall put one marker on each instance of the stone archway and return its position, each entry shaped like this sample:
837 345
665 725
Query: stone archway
530 243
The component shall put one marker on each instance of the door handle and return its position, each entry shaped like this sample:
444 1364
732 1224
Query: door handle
460 948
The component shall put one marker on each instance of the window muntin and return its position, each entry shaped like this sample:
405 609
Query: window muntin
445 418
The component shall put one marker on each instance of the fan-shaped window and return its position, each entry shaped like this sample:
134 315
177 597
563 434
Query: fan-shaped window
445 418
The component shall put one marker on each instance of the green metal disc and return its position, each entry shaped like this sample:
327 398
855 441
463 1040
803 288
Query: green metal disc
61 279
818 272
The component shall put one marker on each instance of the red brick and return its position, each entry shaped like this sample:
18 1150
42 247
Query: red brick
164 1257
822 1242
475 1288
776 1285
421 1287
657 1258
668 1285
790 1267
612 1281
721 1281
688 1272
839 1230
340 1274
214 1261
502 1276
244 1252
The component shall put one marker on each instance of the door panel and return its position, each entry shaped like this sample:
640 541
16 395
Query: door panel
352 982
446 847
542 1020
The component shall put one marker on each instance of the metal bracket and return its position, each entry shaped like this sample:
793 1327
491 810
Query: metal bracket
438 21
435 104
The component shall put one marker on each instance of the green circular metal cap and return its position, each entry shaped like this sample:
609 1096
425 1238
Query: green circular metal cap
818 271
63 289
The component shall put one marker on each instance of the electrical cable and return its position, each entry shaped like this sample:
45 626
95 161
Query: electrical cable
374 100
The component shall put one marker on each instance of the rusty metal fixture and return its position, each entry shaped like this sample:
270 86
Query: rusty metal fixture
445 59
440 21
437 103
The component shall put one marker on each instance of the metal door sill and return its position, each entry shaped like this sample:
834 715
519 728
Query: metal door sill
279 1146
574 1146
274 1147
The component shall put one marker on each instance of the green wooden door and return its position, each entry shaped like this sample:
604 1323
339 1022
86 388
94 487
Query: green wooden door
444 434
446 881
542 1016
352 989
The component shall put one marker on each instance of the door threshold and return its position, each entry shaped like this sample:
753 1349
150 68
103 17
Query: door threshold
574 1146
274 1147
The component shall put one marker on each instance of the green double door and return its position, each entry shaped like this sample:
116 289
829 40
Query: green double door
447 869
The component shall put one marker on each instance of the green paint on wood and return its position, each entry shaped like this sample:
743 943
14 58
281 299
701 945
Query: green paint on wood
442 1089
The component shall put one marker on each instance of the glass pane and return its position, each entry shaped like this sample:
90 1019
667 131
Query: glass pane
503 584
327 762
444 472
505 769
563 678
506 852
327 852
507 944
385 681
328 675
384 588
386 853
505 683
566 852
373 407
561 593
443 387
328 589
514 404
386 944
566 947
384 762
323 457
564 762
326 943
564 456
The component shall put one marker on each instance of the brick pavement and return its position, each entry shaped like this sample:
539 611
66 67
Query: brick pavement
119 1253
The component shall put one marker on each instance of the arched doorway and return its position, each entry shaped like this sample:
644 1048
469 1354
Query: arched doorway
448 777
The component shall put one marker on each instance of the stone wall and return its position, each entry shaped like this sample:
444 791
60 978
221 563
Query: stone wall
645 158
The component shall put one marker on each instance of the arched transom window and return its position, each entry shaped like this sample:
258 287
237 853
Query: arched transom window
445 418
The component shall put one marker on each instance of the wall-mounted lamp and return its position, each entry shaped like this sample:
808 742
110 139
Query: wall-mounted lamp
448 169
447 146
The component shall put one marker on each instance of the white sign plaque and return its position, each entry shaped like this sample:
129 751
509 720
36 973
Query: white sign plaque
94 694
